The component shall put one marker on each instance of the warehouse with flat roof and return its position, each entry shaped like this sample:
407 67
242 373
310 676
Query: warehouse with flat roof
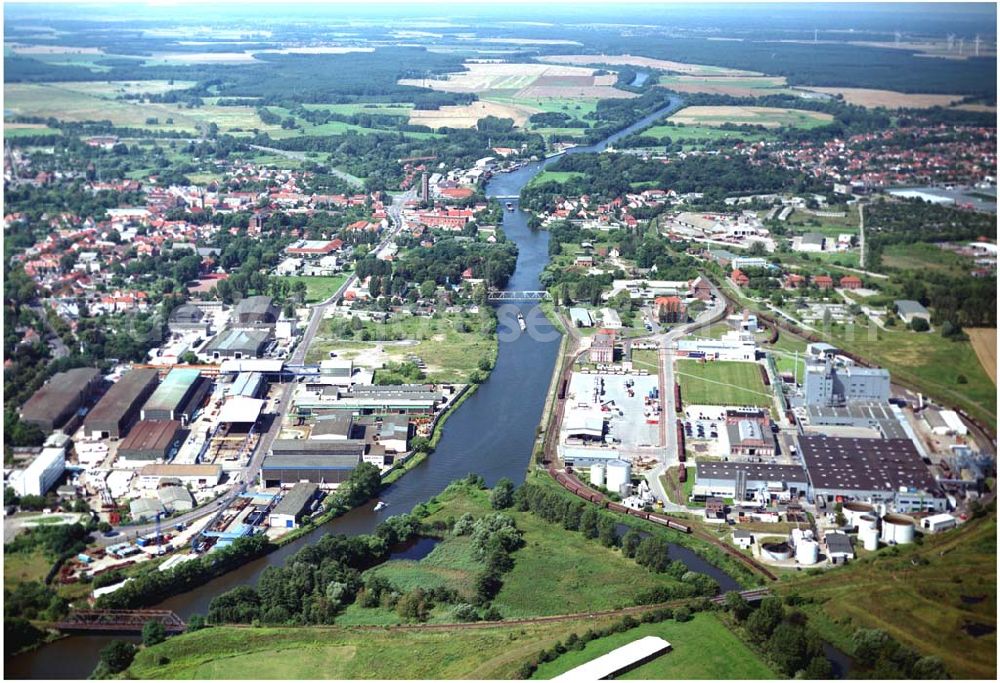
198 476
742 480
887 471
60 398
256 310
149 440
119 408
291 508
178 397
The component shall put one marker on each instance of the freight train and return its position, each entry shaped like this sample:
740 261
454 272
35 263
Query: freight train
589 495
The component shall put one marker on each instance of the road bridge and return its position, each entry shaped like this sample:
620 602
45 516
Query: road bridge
517 295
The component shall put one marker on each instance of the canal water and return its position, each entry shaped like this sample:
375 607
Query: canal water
492 433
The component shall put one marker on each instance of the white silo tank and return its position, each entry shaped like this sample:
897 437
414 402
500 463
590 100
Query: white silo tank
854 509
867 522
869 538
597 474
807 552
619 473
897 529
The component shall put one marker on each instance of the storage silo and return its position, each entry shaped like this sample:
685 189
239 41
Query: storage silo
807 552
619 473
897 529
776 550
597 474
855 509
869 538
867 522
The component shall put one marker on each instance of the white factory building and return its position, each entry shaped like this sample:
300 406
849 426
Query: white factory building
39 476
733 345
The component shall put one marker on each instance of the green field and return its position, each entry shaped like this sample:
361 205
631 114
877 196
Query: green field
319 287
915 593
449 355
553 573
95 101
692 135
25 566
769 117
646 359
921 256
702 648
350 653
722 383
556 177
758 86
20 130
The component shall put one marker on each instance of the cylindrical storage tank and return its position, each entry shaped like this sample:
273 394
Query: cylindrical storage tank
597 474
619 472
869 538
867 522
897 529
776 550
854 509
807 552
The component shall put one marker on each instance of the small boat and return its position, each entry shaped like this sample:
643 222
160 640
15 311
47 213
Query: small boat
520 321
510 207
381 504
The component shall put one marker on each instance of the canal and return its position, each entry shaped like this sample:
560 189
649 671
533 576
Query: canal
492 433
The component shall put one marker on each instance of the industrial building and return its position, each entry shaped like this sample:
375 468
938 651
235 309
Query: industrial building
119 408
247 384
733 345
145 508
368 399
189 318
60 398
587 456
888 471
293 506
937 523
41 474
834 380
178 397
323 468
602 348
745 481
910 310
864 414
149 440
175 498
256 310
839 548
336 371
747 438
198 476
237 343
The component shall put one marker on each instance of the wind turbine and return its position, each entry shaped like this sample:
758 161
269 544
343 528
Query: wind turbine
977 44
898 36
961 45
951 42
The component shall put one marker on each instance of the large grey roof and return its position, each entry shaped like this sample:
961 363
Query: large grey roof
909 307
63 389
295 500
122 395
883 465
757 471
314 461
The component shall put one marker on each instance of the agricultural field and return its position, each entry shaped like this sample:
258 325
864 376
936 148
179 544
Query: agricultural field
18 130
722 383
449 355
702 648
984 341
352 653
737 86
525 81
889 99
89 101
466 115
768 117
916 595
647 62
689 135
319 288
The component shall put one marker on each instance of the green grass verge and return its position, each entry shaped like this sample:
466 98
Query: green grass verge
702 648
722 383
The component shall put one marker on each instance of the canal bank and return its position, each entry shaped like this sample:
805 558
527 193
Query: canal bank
493 433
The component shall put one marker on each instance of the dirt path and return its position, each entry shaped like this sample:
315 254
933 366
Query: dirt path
984 341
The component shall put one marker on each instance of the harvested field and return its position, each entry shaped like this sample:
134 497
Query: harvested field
890 99
976 107
984 341
466 115
525 80
769 117
648 62
736 86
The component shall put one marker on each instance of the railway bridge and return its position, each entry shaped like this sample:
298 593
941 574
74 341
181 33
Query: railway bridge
120 620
